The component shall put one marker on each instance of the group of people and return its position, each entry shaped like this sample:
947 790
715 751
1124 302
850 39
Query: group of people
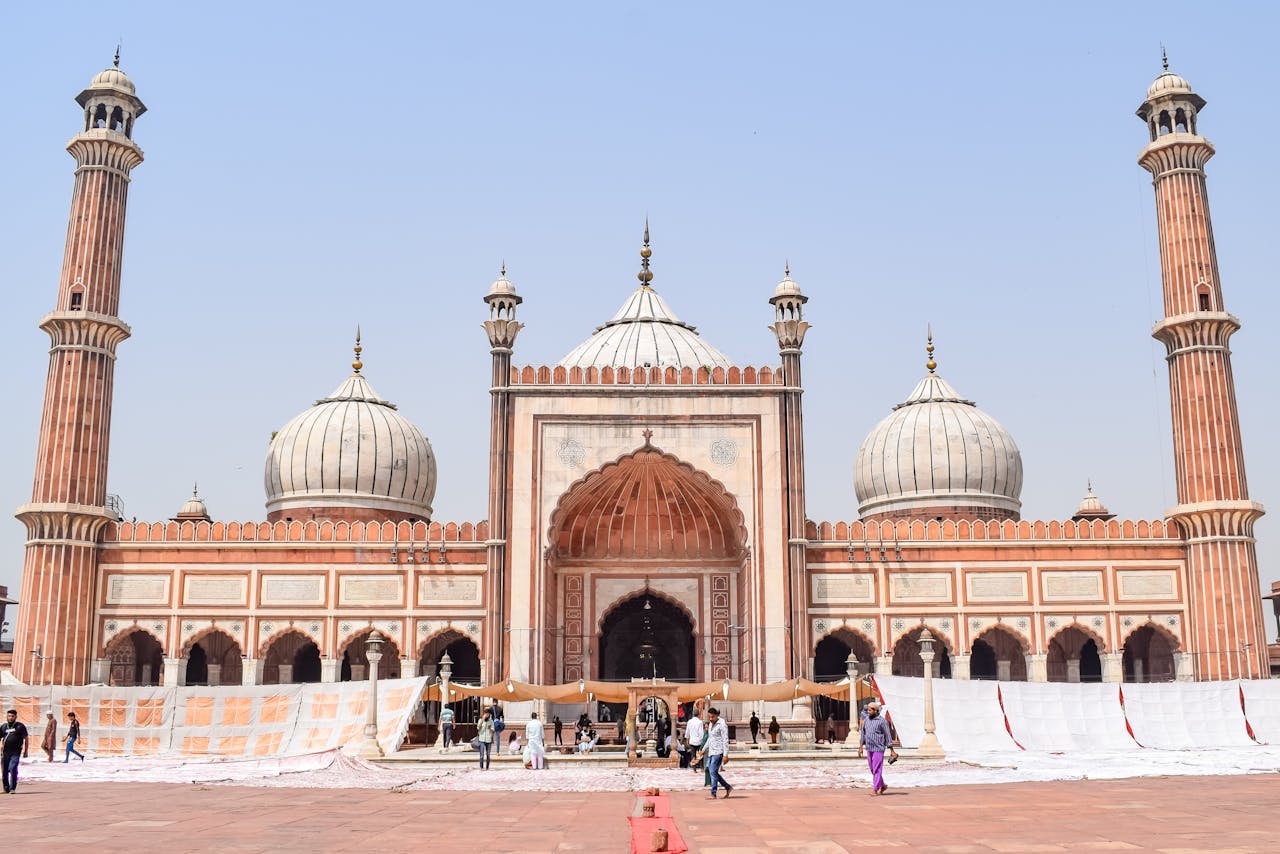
16 744
489 730
706 746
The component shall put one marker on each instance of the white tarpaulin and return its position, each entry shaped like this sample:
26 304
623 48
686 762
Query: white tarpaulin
1066 716
230 721
966 713
1262 708
1180 715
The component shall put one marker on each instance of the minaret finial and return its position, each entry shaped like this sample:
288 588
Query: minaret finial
195 489
356 365
504 268
1164 58
115 63
645 275
786 269
931 364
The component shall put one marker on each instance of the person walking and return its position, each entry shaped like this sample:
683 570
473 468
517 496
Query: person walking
73 735
535 752
755 727
484 737
774 729
50 741
558 726
695 738
717 751
446 725
878 741
13 748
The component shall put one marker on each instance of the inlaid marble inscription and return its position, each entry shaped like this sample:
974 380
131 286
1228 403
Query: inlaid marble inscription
1146 584
920 587
842 589
219 590
997 586
449 589
371 590
293 590
137 590
1072 586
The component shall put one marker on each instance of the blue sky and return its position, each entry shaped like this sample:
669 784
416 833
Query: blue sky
310 167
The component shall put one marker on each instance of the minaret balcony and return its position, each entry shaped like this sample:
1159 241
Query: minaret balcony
1199 330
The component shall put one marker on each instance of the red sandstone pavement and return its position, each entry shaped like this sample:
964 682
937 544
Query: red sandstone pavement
1175 815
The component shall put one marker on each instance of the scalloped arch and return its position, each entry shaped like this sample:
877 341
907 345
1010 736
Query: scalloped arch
657 594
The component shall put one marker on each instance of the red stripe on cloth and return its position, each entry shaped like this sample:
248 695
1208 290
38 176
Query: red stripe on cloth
642 831
1125 712
1007 728
1248 727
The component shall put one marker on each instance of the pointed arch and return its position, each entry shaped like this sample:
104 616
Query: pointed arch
646 591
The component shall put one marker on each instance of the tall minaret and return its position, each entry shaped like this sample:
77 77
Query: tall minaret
1214 511
53 642
790 327
502 329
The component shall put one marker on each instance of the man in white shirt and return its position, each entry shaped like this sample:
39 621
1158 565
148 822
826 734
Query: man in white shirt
717 751
694 734
535 753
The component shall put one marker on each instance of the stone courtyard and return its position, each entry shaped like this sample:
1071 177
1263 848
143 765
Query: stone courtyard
1185 814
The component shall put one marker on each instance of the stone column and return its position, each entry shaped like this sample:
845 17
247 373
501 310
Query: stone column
1112 667
370 749
215 674
446 673
884 665
929 745
1184 667
1038 667
100 672
175 671
408 668
330 669
251 671
851 667
1073 670
960 667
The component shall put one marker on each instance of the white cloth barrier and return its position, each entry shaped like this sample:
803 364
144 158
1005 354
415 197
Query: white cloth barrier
230 721
1181 715
1066 716
1262 708
966 713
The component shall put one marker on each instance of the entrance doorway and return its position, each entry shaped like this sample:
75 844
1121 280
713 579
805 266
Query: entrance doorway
831 717
646 636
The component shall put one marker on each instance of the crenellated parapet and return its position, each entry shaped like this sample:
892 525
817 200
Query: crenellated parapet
948 530
622 375
310 531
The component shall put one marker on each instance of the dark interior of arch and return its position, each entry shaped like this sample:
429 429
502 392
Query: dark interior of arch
644 636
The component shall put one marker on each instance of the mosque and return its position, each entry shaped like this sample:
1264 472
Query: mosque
646 506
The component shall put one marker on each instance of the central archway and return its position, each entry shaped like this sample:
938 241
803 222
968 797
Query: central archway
647 636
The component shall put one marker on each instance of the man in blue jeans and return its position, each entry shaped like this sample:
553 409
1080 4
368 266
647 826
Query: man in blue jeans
13 737
717 751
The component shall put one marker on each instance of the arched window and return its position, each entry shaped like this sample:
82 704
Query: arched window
100 116
1165 124
117 119
1180 121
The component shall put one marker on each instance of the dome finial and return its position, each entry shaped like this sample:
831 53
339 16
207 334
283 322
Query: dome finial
356 365
786 269
115 63
645 275
1164 58
931 364
195 489
503 272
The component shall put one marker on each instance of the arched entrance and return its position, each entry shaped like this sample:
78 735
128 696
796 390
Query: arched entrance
136 659
292 658
906 655
1074 657
1148 656
998 654
355 659
647 513
462 652
830 664
647 636
214 659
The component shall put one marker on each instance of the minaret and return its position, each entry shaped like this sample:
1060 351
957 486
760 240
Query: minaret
502 329
1214 511
54 637
790 327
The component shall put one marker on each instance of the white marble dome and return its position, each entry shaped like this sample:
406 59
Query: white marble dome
938 450
113 78
1169 83
645 333
352 450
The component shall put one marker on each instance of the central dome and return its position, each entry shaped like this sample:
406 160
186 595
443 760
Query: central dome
351 456
645 333
938 454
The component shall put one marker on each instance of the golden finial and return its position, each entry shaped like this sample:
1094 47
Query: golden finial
1164 58
357 364
931 364
645 275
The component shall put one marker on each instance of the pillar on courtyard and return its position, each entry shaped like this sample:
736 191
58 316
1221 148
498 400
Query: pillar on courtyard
370 749
851 668
929 745
960 667
1038 667
1112 667
446 673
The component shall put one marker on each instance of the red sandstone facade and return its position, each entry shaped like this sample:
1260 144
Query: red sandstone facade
650 500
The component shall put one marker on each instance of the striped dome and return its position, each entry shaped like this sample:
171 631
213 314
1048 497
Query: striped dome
937 450
351 450
645 333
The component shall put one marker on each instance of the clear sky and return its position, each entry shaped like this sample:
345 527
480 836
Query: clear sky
311 166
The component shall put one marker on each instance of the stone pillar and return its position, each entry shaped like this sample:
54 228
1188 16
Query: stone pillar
408 668
251 671
286 674
371 749
1004 669
884 665
1038 667
929 745
1112 667
215 674
1073 670
100 672
446 673
1184 667
959 667
330 669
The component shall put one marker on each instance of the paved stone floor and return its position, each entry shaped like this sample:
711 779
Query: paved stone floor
1174 815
